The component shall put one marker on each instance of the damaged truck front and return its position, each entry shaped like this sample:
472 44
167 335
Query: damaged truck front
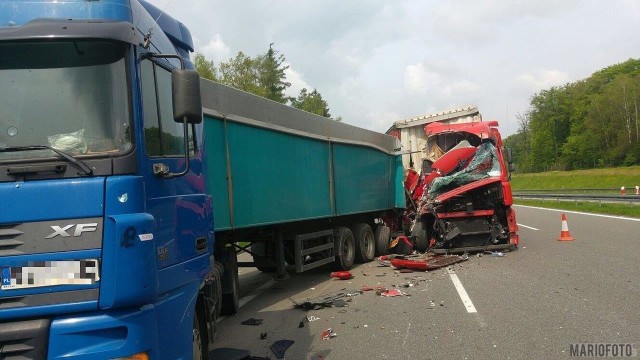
462 200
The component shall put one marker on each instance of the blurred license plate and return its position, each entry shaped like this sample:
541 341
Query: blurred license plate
50 273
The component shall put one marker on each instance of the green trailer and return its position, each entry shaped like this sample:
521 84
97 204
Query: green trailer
301 189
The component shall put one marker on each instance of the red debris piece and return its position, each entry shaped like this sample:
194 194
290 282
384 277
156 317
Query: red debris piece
392 293
328 333
432 263
372 288
342 275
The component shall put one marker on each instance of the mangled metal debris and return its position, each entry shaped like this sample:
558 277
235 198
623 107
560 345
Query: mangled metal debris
328 333
334 299
392 293
252 321
461 199
280 347
427 263
342 275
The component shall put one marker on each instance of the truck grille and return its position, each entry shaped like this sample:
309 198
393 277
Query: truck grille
8 241
24 339
36 237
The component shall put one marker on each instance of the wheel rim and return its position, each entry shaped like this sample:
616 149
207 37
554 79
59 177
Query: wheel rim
369 246
348 250
197 341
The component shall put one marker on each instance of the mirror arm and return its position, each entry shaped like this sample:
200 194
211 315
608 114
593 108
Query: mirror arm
161 170
165 56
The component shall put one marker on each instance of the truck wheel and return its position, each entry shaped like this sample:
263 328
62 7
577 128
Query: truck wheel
365 243
344 246
218 270
382 239
200 344
419 233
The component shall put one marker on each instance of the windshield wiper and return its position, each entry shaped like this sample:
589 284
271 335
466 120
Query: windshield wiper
77 162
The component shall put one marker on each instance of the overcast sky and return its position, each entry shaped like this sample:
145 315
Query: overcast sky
378 61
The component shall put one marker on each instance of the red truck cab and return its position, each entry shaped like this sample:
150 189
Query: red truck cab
463 201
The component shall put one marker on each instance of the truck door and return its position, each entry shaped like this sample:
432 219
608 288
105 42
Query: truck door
179 206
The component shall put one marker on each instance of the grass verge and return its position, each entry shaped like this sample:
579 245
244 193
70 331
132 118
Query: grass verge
618 209
612 178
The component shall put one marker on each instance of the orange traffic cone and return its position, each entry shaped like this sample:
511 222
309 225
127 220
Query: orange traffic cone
564 234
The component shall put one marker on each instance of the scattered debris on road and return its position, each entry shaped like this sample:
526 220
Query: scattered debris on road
392 293
373 288
495 253
328 333
342 275
280 347
426 263
335 299
252 321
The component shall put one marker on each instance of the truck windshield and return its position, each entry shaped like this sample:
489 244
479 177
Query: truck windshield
68 95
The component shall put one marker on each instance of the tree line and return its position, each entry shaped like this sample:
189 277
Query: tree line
263 75
594 122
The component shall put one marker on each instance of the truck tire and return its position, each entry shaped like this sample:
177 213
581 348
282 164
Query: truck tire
419 233
218 271
261 257
382 239
199 340
365 242
344 246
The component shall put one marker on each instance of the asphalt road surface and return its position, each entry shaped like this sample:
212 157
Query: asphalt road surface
531 303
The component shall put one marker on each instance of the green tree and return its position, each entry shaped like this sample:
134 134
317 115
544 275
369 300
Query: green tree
242 72
263 75
591 122
311 102
205 67
272 78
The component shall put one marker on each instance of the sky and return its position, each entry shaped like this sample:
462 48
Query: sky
379 61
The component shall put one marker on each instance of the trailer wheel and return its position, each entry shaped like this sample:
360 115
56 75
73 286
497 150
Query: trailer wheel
261 257
344 246
365 243
382 239
419 233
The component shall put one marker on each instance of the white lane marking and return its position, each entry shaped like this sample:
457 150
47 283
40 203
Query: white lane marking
251 296
581 213
406 335
528 227
466 300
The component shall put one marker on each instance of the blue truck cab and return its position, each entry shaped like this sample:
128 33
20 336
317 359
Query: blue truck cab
106 228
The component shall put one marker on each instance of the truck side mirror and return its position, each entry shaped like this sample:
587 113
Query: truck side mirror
187 104
508 155
512 167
